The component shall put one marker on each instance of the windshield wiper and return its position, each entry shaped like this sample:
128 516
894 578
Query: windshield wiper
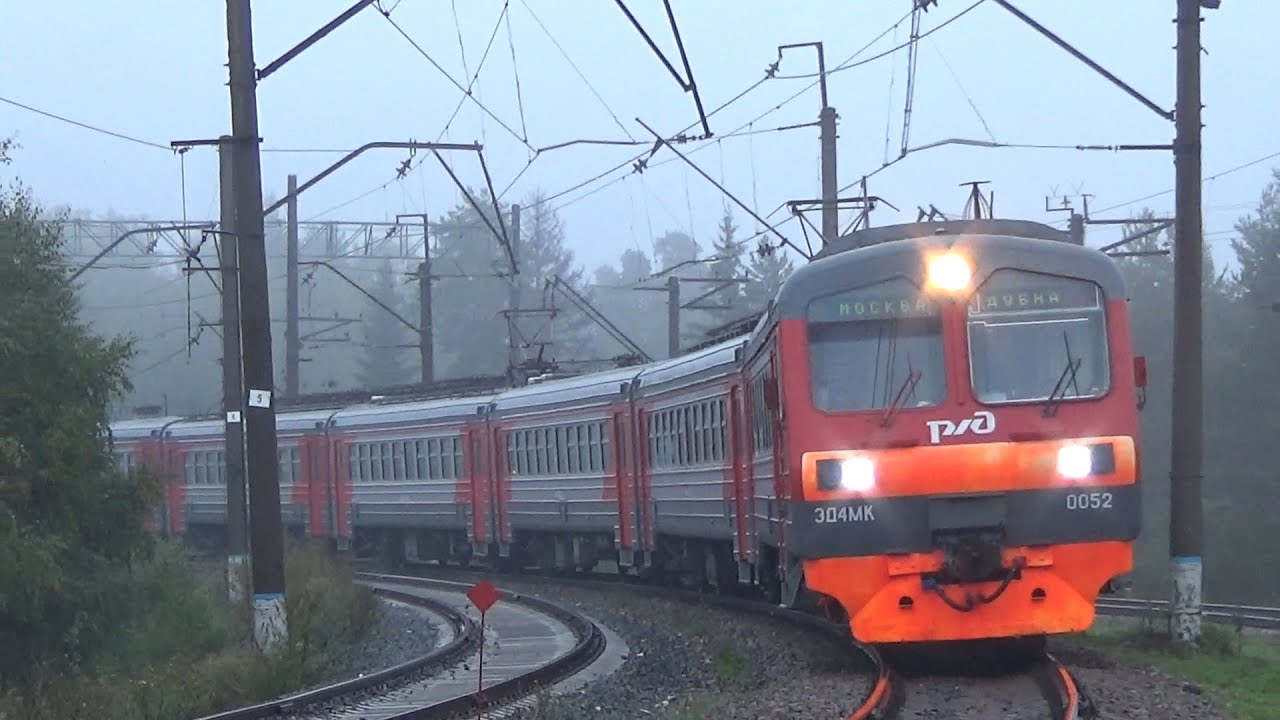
1072 367
905 390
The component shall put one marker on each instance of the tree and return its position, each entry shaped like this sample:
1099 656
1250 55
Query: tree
727 251
471 332
382 364
640 314
674 248
768 270
68 521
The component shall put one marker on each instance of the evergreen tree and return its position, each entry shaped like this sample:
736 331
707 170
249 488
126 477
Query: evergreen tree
641 315
673 248
69 525
767 270
728 264
471 331
383 362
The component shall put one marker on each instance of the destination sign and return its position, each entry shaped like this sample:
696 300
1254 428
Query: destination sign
865 305
1012 292
1032 300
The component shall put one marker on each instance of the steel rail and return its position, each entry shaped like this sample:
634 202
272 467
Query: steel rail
590 643
1252 616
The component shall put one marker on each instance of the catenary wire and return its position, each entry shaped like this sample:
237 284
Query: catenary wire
86 126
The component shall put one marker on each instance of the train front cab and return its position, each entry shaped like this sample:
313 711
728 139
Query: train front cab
963 414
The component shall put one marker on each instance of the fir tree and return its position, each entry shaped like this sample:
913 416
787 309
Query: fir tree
383 363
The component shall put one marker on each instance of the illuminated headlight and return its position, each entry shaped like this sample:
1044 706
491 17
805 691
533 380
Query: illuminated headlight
949 272
856 474
1075 462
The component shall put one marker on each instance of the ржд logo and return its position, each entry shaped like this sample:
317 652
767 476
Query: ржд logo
983 422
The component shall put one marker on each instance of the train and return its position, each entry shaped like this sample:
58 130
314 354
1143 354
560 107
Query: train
930 432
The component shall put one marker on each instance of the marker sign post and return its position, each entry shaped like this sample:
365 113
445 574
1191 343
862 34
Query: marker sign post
483 595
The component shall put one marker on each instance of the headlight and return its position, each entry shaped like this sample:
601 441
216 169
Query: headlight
857 474
949 272
1075 462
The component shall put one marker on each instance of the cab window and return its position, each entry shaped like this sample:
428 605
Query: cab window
1033 336
872 346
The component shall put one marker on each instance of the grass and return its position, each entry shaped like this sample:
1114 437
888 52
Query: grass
184 652
1240 672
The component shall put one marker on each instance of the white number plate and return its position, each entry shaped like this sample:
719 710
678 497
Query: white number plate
1089 501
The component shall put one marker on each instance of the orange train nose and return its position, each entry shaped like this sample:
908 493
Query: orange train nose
889 602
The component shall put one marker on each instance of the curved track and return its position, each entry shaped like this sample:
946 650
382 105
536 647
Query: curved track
458 637
527 643
878 703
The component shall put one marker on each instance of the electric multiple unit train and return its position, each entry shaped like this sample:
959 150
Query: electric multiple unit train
932 431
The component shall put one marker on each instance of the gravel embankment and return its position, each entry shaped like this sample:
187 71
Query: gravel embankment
1121 690
398 634
689 661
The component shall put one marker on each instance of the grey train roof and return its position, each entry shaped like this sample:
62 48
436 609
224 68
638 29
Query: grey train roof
565 393
451 410
693 368
899 251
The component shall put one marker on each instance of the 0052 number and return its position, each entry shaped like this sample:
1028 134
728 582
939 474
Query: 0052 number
1089 501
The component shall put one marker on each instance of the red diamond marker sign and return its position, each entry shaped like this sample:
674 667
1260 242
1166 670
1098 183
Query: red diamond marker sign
483 595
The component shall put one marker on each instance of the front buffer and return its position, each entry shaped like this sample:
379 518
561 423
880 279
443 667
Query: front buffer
968 542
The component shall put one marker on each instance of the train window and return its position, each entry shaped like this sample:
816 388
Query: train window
603 434
1033 335
530 453
457 457
539 452
560 458
375 462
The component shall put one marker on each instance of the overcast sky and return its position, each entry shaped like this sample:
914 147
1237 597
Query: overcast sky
156 71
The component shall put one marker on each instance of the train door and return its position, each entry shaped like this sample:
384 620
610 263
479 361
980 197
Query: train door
315 481
740 469
341 491
625 482
644 496
175 489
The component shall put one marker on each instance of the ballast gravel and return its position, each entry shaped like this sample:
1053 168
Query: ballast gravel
693 661
397 634
1134 692
689 662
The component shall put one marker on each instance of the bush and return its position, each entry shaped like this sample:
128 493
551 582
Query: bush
181 651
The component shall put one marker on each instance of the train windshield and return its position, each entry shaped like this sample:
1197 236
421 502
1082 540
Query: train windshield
876 347
1033 337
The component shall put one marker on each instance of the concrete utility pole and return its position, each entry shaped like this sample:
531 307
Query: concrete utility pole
292 345
513 301
827 137
232 385
270 624
426 333
673 316
1186 521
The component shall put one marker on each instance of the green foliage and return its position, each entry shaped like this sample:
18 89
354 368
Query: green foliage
181 652
69 520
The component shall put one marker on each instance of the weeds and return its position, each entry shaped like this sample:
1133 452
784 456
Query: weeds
184 652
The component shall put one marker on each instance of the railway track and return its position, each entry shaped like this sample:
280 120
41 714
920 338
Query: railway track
879 702
528 643
533 643
1251 616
